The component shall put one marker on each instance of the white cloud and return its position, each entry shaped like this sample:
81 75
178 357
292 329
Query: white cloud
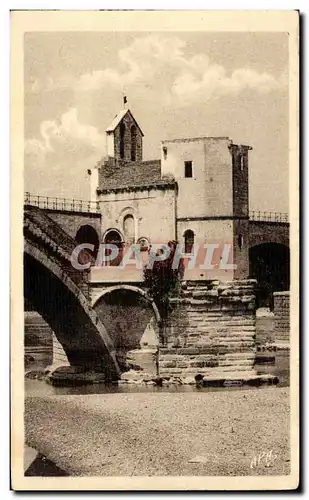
69 132
160 64
215 82
56 164
144 60
49 84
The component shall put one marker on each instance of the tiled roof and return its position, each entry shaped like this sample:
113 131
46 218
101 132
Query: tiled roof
161 184
118 119
129 174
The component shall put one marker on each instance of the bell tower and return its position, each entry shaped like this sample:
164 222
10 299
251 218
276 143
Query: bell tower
124 138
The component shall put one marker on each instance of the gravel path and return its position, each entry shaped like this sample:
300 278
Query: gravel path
158 434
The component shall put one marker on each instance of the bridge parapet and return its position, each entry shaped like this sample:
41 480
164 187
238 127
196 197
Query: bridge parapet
257 215
44 233
63 204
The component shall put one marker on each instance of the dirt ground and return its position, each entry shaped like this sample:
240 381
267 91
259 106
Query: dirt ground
243 432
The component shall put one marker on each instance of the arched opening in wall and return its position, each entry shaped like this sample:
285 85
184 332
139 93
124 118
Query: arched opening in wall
269 264
130 320
61 309
121 142
87 234
189 241
133 143
129 229
113 237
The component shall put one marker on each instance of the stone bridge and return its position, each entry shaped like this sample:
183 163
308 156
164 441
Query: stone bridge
98 321
94 324
60 294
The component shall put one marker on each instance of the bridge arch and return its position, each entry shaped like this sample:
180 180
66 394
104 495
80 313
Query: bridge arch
63 305
87 234
269 264
130 316
132 288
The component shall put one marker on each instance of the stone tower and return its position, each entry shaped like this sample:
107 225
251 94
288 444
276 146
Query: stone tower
212 200
124 138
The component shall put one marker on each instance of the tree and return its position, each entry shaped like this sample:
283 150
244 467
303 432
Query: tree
163 282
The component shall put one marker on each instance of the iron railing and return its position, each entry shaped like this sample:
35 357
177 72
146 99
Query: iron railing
73 205
66 204
257 215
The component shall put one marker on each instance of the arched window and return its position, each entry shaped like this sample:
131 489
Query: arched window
133 143
189 241
129 229
121 144
114 238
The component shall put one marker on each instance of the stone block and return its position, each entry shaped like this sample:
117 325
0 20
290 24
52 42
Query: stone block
172 357
205 357
134 375
190 380
169 371
204 364
167 364
182 364
189 350
197 364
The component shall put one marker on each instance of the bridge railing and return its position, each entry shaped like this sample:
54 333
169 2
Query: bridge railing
257 215
65 204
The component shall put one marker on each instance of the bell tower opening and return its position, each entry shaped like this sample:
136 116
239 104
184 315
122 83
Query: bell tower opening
122 129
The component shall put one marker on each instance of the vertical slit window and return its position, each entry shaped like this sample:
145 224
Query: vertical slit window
188 169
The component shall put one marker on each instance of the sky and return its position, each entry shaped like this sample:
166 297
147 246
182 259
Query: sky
178 84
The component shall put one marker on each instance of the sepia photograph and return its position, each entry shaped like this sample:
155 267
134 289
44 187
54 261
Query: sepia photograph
155 286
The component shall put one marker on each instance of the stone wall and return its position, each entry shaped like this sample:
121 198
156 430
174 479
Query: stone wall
211 332
282 316
38 340
241 248
240 181
269 232
41 343
142 204
209 191
265 326
71 222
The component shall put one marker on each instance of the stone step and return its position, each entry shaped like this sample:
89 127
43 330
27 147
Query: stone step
203 370
231 374
218 330
241 355
244 362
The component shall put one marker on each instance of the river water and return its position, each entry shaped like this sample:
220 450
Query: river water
280 369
